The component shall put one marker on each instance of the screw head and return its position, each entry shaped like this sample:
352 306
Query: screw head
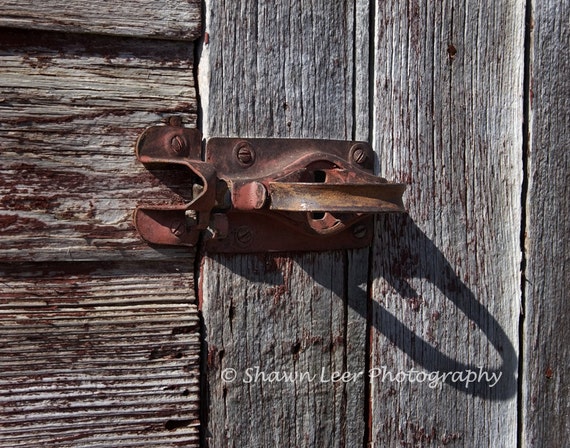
360 153
178 227
178 145
245 153
243 236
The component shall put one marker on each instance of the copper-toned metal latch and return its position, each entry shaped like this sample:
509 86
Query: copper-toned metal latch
257 195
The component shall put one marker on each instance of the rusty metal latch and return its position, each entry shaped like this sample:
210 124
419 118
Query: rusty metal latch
257 195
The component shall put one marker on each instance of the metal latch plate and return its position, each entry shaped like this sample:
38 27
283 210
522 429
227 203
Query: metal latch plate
251 193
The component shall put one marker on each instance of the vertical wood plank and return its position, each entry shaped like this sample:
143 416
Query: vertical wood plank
270 316
546 393
446 280
362 63
283 69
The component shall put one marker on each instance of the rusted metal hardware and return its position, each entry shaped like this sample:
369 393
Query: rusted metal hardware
257 195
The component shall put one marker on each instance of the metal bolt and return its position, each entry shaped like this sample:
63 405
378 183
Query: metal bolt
178 145
245 153
243 236
359 231
359 154
178 227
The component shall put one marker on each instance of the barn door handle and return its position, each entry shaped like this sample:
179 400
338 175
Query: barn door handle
252 195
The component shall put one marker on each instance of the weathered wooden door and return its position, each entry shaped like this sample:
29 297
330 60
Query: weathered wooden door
448 331
99 335
451 328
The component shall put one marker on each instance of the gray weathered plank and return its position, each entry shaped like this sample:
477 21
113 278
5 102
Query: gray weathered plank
287 70
446 291
173 19
546 392
287 315
71 108
98 355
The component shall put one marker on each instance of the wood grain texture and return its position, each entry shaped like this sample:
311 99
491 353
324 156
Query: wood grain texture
287 70
71 108
98 354
171 19
282 325
448 111
546 390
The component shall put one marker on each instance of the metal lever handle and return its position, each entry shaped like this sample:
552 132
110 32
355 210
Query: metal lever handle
263 194
343 198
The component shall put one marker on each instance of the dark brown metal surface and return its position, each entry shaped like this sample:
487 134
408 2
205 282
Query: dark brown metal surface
257 195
